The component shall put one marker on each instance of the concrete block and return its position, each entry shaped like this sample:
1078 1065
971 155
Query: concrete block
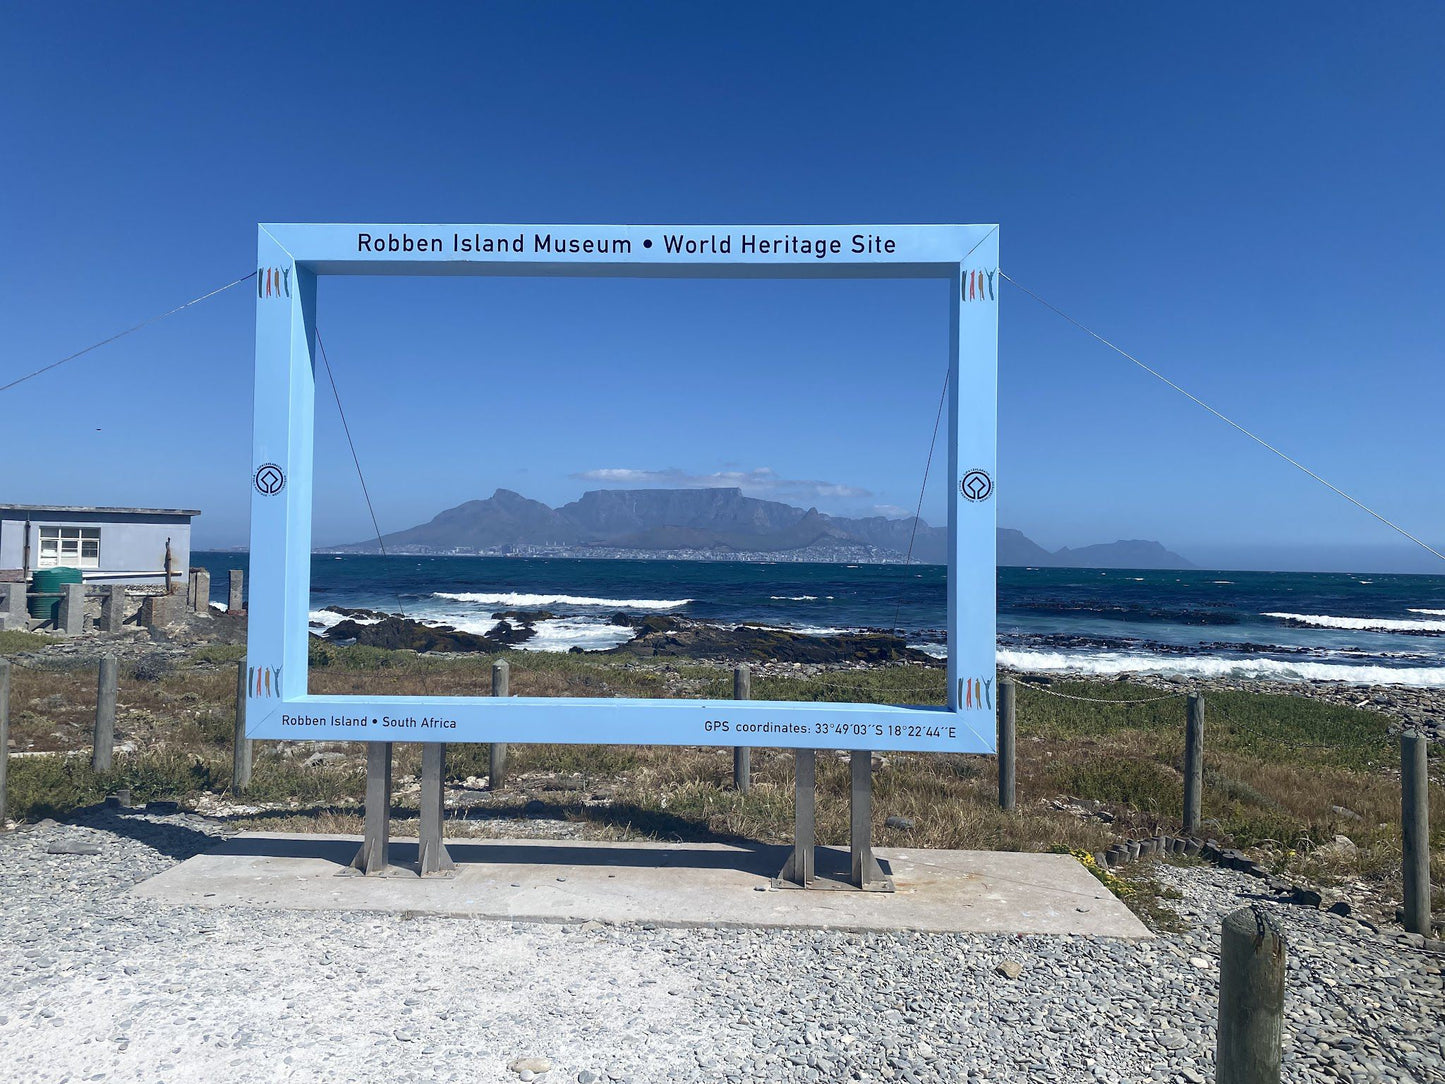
234 600
678 884
72 609
12 607
200 590
113 607
162 611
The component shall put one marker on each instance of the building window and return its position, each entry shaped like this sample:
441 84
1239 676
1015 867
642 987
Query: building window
70 547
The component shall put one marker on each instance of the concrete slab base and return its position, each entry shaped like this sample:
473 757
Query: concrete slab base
682 884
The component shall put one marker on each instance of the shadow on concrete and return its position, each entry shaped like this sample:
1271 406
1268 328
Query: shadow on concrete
658 824
762 859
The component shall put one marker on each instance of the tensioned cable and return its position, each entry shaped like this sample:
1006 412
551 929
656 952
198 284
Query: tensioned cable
127 331
375 526
1227 420
1097 699
917 512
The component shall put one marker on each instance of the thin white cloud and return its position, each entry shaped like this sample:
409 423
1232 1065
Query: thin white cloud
759 482
892 511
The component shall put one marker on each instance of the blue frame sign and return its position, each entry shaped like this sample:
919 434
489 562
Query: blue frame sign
291 257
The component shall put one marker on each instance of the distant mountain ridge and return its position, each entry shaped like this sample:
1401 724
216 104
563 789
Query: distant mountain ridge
720 521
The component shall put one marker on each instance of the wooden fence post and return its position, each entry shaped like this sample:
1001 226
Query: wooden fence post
1415 830
241 745
4 733
742 754
1194 764
1251 999
104 745
497 754
1007 796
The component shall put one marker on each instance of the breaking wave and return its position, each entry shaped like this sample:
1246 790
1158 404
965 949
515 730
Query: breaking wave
1364 624
1257 669
565 633
515 598
1431 613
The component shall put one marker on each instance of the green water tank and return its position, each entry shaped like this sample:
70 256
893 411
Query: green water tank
47 588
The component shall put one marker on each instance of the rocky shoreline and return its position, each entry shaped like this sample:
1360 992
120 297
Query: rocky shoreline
772 652
654 636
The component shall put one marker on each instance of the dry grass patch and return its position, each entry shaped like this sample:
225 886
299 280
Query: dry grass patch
1284 774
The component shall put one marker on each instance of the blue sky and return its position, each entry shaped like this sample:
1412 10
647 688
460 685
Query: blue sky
1246 196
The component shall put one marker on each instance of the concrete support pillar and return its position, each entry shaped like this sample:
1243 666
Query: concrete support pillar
12 607
375 853
72 609
799 868
198 594
432 854
105 696
113 607
161 611
235 592
865 873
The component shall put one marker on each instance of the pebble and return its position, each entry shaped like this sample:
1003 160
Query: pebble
191 993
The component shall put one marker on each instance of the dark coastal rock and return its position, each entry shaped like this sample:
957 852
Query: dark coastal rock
504 632
403 634
695 640
523 617
645 623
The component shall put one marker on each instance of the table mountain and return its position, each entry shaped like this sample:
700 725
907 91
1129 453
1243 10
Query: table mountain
719 520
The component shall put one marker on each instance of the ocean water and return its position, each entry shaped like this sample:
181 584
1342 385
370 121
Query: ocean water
1259 625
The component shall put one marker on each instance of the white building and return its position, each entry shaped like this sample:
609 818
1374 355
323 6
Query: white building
108 545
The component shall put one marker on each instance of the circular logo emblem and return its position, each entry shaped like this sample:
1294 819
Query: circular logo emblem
976 485
270 479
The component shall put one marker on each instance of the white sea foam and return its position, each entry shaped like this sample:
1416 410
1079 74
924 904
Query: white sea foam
516 598
324 619
1258 669
937 650
816 630
1431 613
565 633
1363 624
795 598
321 620
479 626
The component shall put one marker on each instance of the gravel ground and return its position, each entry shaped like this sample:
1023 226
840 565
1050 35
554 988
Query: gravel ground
95 985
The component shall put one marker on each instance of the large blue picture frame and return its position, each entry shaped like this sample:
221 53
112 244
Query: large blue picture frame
293 256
